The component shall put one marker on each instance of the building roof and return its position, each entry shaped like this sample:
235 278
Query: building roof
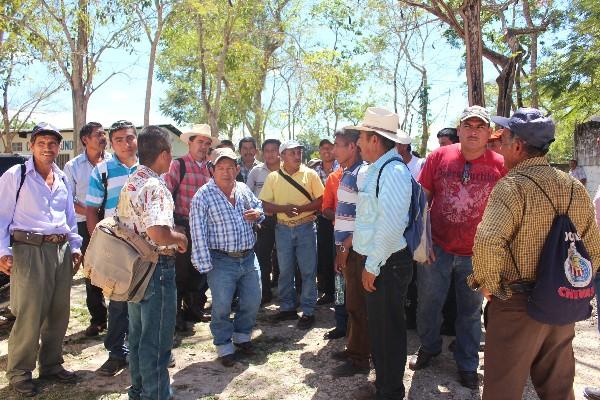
171 128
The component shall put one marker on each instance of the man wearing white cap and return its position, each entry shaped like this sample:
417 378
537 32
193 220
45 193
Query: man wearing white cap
186 175
295 193
457 180
222 217
381 219
404 148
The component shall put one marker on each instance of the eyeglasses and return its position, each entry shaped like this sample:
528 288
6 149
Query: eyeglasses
466 174
121 124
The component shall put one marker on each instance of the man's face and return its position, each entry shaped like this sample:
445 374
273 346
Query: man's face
572 164
402 149
509 149
199 147
271 154
124 143
343 150
366 143
164 162
248 152
444 141
45 148
292 158
95 141
225 171
474 134
326 152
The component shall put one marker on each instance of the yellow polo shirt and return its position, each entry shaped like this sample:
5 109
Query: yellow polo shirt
278 191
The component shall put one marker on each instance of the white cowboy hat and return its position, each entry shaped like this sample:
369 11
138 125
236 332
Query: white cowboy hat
199 130
403 137
382 122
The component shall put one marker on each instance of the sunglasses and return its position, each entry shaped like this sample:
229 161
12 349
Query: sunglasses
466 174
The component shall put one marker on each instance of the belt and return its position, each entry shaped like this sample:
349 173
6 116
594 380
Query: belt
37 238
233 254
167 252
297 222
521 287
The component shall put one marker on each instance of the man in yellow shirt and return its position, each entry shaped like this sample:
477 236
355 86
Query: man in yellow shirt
294 193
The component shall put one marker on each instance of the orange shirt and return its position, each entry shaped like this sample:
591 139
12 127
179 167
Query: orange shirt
331 187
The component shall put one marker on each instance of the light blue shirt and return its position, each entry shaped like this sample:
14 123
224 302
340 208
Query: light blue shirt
216 224
78 172
381 221
40 209
117 177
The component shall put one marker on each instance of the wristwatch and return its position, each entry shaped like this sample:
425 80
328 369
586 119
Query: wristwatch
341 248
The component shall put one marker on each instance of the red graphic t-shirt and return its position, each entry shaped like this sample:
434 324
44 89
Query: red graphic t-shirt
460 191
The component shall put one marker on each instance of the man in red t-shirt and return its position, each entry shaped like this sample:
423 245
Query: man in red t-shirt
457 180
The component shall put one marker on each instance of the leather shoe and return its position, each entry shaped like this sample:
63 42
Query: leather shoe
94 330
245 348
421 360
591 393
340 355
227 361
349 369
284 316
305 322
468 379
325 299
25 388
334 334
111 367
63 376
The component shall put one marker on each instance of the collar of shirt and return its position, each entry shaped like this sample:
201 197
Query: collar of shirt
529 162
116 160
84 157
30 168
354 167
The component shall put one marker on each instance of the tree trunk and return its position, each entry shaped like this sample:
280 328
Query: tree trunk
80 102
424 109
149 81
470 11
505 83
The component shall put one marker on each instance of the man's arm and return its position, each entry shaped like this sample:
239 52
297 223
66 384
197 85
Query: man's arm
272 208
329 214
79 203
199 231
165 236
314 205
8 188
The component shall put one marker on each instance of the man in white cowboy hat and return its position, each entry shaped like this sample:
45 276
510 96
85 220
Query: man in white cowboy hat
457 180
186 175
381 219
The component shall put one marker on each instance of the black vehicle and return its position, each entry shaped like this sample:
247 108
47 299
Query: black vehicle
8 160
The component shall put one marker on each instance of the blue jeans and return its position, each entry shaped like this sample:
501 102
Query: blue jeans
297 244
229 276
151 329
118 322
433 283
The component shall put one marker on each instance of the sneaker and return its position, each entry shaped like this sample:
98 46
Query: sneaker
334 334
421 360
325 299
25 388
227 361
306 322
111 367
349 369
284 316
468 379
94 329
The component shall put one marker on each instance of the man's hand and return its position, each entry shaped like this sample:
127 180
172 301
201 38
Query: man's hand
486 293
182 244
368 281
77 259
340 261
292 211
6 263
251 215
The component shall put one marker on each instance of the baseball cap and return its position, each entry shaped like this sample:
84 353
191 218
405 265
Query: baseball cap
223 152
475 112
325 141
290 144
47 128
530 125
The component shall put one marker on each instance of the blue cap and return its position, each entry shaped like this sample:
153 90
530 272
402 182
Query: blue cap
47 128
290 144
530 125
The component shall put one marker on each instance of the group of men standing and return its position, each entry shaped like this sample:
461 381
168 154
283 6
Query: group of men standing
216 222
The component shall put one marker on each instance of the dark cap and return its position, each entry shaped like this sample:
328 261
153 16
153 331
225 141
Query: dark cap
324 141
530 125
44 127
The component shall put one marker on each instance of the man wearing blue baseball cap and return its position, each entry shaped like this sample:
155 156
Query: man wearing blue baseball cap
509 243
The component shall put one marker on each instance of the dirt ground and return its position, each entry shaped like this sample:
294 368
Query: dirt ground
290 364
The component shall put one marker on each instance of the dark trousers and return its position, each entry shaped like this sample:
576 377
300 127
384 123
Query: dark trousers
191 284
387 326
356 305
94 299
325 255
517 346
265 244
118 326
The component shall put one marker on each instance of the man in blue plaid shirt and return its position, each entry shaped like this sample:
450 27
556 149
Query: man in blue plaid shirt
222 217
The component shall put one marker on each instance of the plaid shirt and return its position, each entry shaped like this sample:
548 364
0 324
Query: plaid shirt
325 174
195 177
216 224
244 172
518 218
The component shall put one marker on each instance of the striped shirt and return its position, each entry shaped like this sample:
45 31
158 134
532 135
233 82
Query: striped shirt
117 174
381 220
216 224
347 196
197 174
78 172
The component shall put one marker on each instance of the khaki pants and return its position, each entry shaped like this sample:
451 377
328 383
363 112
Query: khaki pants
356 305
517 346
40 286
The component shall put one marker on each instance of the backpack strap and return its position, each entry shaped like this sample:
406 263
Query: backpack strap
381 170
182 173
295 185
544 192
103 169
23 170
570 198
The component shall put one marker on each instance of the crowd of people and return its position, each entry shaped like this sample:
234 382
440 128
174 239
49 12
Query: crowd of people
330 231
